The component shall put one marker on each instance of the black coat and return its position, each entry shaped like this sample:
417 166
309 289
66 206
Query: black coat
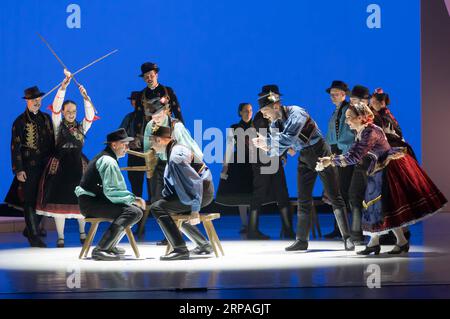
161 91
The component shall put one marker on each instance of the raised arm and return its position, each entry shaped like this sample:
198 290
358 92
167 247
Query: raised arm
58 102
89 112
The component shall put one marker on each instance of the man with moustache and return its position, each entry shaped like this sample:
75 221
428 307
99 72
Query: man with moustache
150 74
102 193
32 143
293 128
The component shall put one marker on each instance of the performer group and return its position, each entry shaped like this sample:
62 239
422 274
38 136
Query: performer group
368 171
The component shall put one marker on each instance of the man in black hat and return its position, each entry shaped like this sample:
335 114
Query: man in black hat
293 128
150 73
32 143
340 137
358 184
188 187
134 124
102 193
268 187
157 109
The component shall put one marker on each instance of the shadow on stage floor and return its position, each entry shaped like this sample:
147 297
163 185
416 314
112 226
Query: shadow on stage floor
250 269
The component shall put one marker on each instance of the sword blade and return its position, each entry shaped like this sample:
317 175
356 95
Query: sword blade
94 62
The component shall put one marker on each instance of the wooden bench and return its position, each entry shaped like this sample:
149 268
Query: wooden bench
206 220
93 230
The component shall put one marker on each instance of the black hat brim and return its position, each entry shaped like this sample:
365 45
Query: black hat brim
367 98
142 74
156 112
127 139
35 97
347 92
265 93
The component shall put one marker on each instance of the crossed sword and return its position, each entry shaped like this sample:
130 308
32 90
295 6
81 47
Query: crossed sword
77 71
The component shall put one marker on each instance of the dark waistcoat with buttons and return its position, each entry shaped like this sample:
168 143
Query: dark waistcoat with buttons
91 180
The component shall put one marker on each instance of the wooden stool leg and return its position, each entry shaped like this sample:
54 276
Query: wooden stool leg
168 248
206 225
91 238
214 233
132 241
88 240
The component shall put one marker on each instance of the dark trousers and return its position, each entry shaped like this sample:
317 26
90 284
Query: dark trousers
136 178
173 205
157 182
30 187
345 175
307 175
357 188
269 187
123 215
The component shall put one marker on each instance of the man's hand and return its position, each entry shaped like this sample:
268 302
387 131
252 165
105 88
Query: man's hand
195 218
140 202
21 176
323 163
224 173
260 142
66 81
291 152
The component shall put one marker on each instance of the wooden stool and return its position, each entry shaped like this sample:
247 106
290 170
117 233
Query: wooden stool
90 237
206 219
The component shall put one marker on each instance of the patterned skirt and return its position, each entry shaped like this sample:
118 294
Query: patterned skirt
399 194
56 195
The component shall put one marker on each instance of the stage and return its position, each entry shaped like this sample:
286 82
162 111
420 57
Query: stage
249 269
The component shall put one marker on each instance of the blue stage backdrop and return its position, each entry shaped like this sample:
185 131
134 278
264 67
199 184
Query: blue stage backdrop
215 54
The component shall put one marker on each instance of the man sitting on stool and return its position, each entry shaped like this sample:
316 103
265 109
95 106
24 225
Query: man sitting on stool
102 193
187 188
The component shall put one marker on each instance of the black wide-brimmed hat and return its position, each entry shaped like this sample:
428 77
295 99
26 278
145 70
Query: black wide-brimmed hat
153 105
134 95
119 135
340 85
147 67
360 91
269 94
32 93
163 131
269 88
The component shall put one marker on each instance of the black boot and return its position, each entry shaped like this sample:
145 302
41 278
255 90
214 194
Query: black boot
103 249
32 227
118 250
302 237
243 230
388 239
356 233
253 231
342 222
192 232
173 235
140 231
286 222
